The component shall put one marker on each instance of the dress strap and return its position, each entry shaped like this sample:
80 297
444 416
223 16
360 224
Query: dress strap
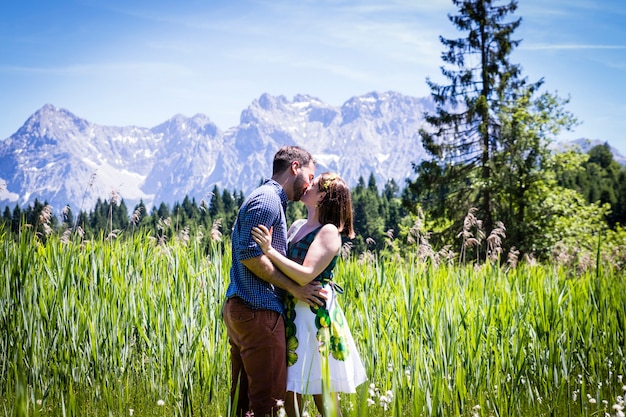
295 226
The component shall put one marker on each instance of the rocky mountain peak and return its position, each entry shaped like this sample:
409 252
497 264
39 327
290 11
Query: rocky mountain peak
63 159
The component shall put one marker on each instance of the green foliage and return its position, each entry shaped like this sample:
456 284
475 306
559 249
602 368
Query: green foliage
368 222
101 327
600 180
524 166
490 140
540 216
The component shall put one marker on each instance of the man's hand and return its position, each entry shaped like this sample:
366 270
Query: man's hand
312 294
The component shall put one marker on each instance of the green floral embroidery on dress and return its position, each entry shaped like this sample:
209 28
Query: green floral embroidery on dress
330 333
330 330
290 330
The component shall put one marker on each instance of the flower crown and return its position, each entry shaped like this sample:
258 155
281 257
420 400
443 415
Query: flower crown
329 179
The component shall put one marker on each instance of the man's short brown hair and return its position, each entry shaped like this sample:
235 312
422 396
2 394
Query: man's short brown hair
286 155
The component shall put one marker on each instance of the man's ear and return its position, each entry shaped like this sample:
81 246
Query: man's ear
294 167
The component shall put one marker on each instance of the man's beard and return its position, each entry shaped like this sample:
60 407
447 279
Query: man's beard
299 188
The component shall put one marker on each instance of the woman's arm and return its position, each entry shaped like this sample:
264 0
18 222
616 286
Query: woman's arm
325 246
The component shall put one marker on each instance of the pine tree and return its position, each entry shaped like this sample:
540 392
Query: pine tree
368 223
163 211
463 134
6 218
216 206
16 220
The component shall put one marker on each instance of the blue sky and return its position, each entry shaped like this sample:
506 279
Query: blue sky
141 62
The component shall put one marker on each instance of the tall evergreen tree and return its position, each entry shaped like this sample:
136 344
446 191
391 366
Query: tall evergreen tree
216 206
463 134
16 220
230 209
163 211
191 209
6 218
391 207
82 221
140 215
368 223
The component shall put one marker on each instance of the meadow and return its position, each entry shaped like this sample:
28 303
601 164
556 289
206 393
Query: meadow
132 326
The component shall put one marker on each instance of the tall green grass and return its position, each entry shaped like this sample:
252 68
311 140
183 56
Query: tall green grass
116 325
110 326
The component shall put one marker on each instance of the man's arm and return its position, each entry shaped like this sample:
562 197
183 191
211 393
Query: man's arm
262 267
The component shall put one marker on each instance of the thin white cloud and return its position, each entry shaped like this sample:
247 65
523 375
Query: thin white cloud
540 47
98 68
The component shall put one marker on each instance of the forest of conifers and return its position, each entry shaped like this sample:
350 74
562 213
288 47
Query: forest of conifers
387 219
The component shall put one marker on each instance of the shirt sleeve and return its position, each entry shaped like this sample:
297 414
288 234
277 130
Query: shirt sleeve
262 209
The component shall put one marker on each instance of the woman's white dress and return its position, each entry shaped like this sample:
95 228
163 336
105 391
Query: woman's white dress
318 336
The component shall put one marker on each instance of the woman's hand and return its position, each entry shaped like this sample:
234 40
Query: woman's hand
263 237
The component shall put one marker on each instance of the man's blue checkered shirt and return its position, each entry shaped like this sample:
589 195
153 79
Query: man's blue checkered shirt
265 205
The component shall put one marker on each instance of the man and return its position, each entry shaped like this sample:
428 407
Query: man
254 298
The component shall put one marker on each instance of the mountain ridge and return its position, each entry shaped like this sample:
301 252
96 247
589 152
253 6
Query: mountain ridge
61 158
58 157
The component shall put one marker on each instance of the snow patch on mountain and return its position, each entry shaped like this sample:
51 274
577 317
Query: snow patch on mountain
65 160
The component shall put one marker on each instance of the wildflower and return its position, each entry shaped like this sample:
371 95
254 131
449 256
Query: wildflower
39 401
160 403
383 402
131 411
280 403
370 402
592 400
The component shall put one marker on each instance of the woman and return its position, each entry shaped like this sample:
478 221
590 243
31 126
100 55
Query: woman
317 336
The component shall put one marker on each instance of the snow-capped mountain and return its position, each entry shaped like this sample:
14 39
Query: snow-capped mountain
63 159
